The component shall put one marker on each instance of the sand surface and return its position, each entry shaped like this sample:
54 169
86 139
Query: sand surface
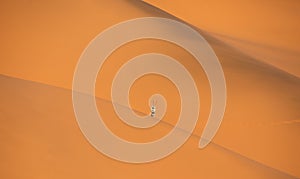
267 30
41 139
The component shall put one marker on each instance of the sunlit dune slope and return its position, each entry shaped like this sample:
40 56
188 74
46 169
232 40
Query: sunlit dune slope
268 30
257 139
267 22
44 40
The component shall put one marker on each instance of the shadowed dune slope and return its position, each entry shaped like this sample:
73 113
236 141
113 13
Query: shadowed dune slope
42 140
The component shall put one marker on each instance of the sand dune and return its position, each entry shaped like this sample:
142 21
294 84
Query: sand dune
40 137
283 59
42 140
264 29
269 22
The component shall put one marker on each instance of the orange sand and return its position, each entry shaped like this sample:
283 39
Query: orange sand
41 139
268 30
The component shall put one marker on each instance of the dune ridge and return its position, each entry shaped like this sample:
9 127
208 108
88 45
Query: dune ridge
259 95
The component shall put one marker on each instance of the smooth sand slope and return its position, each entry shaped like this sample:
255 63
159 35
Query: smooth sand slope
39 134
267 30
42 140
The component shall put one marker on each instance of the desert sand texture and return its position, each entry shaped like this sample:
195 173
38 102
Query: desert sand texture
267 30
40 138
